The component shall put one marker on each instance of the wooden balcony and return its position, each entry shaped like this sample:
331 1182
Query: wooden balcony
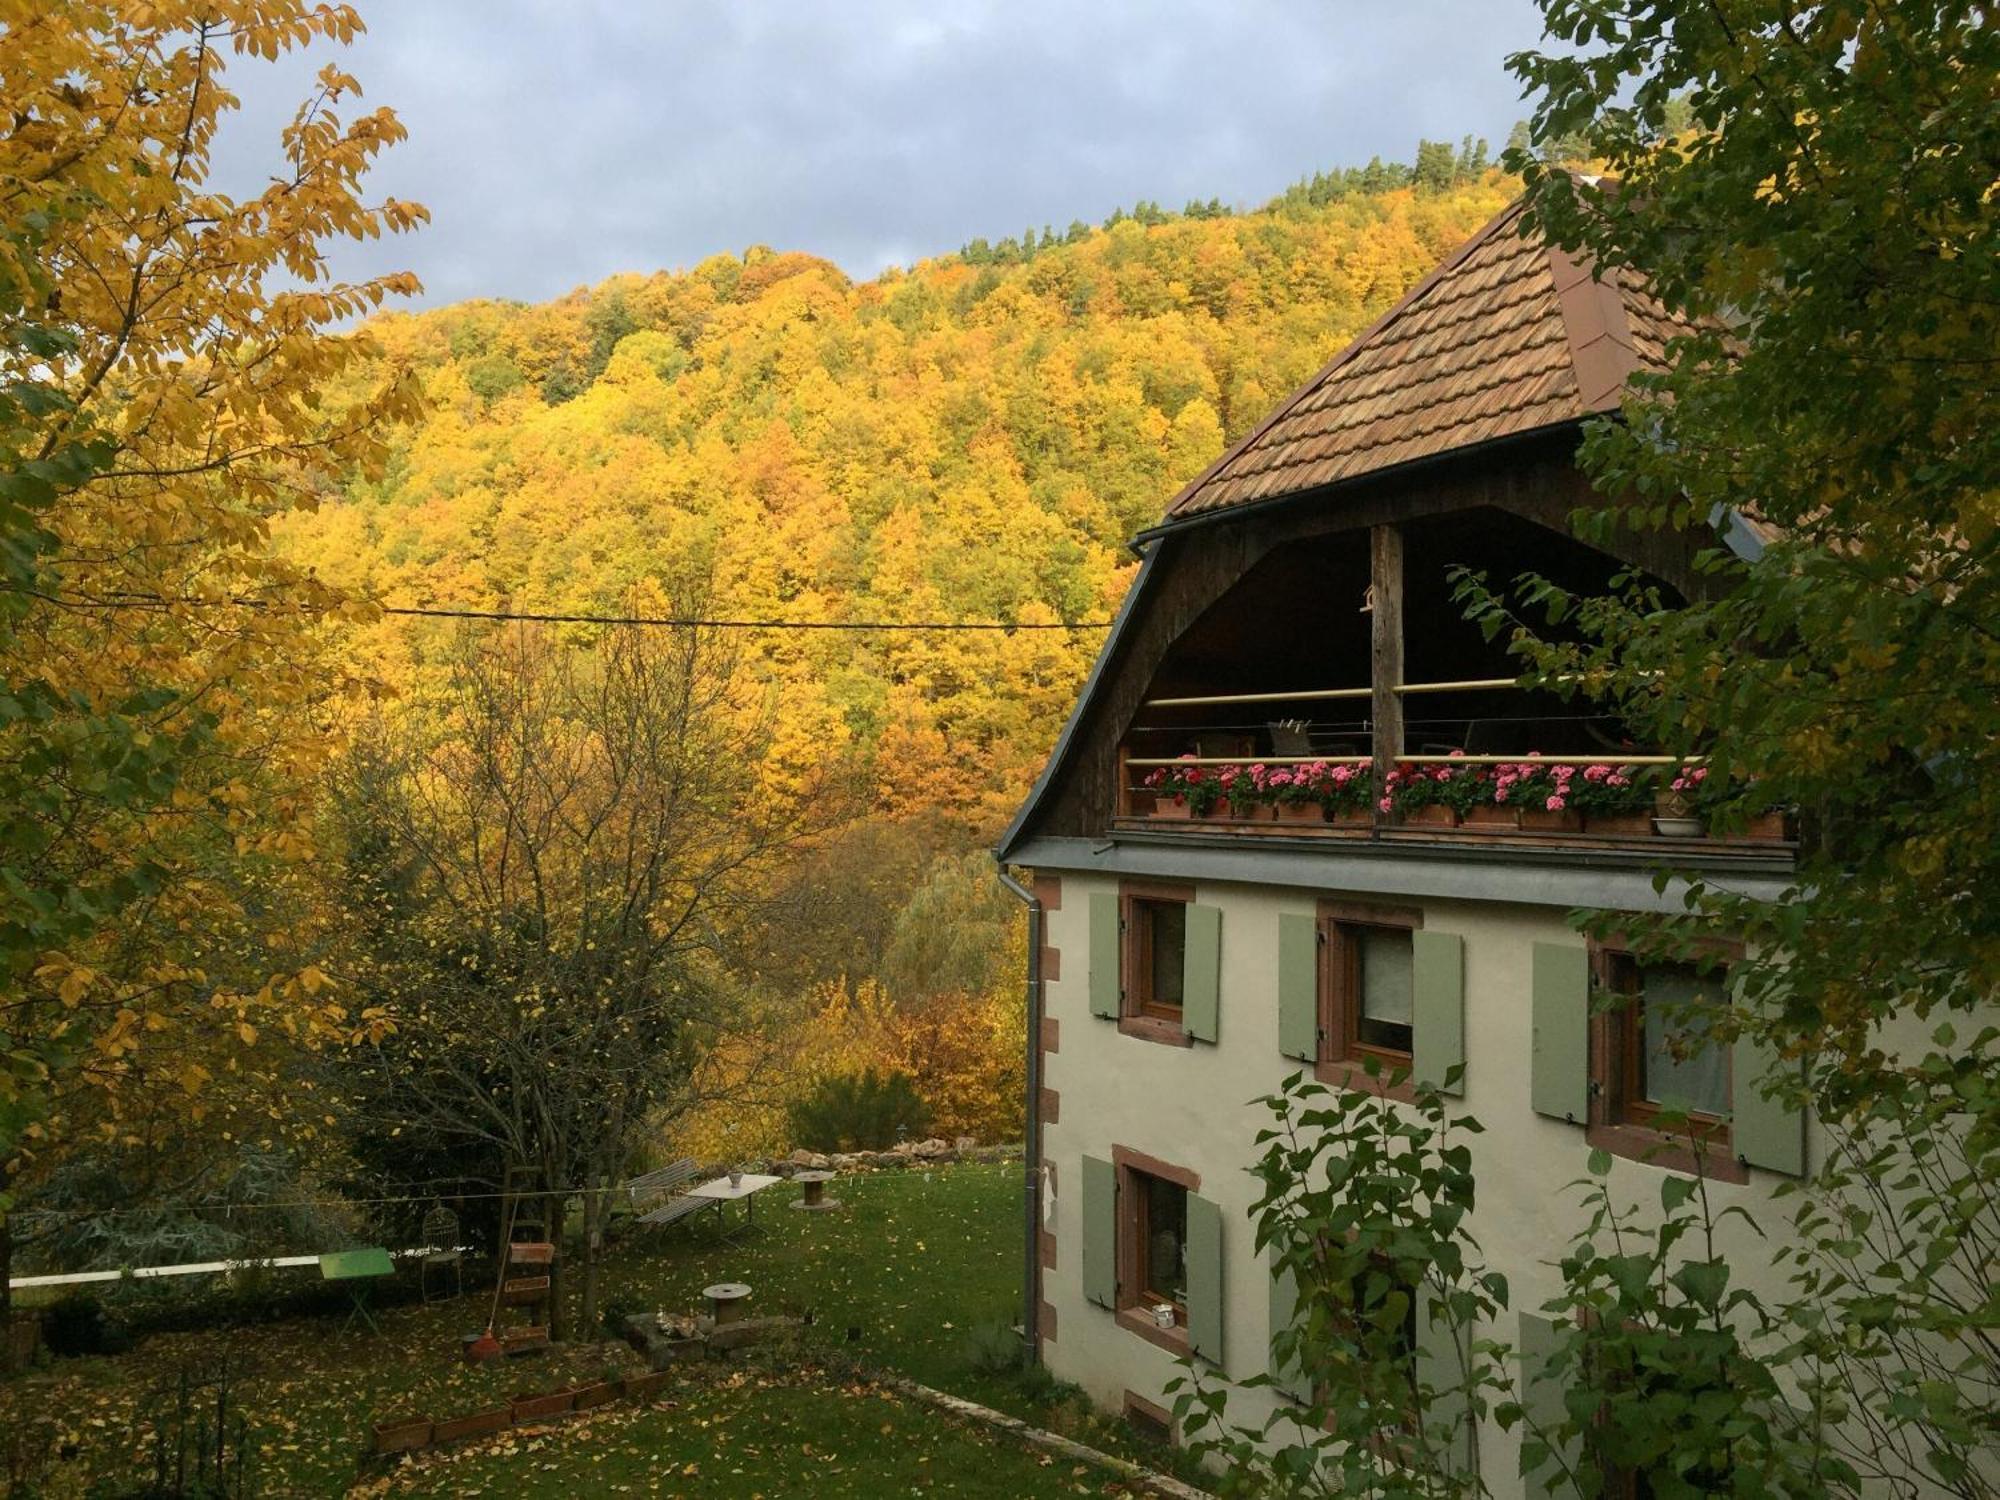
1142 811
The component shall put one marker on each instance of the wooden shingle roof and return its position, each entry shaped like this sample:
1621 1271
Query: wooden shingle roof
1506 337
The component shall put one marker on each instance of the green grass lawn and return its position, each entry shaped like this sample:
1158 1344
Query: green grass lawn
916 1273
752 1436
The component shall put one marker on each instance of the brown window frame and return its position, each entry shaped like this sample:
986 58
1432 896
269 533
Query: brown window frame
1343 1056
1622 1123
1137 1014
1134 1301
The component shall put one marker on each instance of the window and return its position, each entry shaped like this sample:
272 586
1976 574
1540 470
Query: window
1153 960
1153 1258
1653 1055
1367 992
1162 1243
1159 949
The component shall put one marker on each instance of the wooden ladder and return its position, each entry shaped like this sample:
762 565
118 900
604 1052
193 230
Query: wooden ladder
527 1259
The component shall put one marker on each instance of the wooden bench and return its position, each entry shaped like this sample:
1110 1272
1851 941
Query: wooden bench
657 1198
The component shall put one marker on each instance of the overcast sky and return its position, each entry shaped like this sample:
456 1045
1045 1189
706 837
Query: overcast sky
558 141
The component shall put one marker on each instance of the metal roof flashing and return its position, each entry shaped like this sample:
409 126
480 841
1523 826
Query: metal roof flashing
1613 880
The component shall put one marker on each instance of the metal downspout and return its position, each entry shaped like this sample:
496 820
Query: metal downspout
1031 1168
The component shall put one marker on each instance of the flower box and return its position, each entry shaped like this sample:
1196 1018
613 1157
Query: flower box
1351 817
1492 815
595 1394
1543 820
1248 812
1432 815
535 1408
403 1436
1619 825
1171 807
644 1386
1300 812
477 1424
1767 826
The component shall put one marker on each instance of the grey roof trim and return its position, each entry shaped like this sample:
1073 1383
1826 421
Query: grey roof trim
1127 611
1611 881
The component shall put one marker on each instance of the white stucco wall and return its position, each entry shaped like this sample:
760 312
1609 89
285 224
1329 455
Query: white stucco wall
1193 1107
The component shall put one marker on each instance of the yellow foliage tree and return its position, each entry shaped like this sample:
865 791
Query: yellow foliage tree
170 381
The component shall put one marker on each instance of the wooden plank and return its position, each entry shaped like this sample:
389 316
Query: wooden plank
1385 559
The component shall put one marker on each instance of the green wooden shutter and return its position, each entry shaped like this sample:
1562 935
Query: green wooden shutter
1100 1231
1104 954
1438 974
1287 1380
1298 986
1443 1357
1767 1133
1204 1279
1542 1400
1559 1064
1201 973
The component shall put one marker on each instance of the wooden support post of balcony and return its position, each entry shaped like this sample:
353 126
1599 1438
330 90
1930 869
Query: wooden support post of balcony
1385 577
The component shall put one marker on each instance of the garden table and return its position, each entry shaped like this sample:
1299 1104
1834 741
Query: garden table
743 1190
815 1200
358 1271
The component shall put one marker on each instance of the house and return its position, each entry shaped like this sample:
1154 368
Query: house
1294 611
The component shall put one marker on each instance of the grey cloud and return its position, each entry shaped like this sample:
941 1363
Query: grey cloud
557 143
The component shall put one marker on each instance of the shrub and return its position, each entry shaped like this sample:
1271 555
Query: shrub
993 1348
862 1111
78 1325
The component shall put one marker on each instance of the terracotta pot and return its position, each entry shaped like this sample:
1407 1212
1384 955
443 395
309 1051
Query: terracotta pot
1541 820
1434 816
1301 812
1249 812
1492 815
1352 818
1619 825
1171 807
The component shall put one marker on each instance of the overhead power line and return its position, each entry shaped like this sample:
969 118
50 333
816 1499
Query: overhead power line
689 622
540 617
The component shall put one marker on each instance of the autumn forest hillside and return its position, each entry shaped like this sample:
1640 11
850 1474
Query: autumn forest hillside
973 438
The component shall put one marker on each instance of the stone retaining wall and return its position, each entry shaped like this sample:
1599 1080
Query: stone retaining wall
930 1153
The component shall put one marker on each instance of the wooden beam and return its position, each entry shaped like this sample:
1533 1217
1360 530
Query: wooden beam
1385 554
